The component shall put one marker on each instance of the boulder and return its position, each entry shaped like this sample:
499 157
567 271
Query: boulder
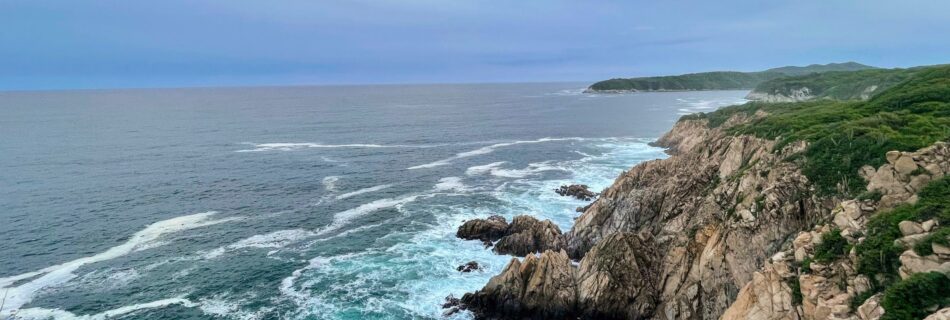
892 156
912 263
490 229
871 308
910 228
905 165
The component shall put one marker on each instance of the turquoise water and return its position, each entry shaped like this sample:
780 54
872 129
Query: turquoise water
336 202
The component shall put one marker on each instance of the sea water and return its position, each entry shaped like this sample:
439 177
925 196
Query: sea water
328 202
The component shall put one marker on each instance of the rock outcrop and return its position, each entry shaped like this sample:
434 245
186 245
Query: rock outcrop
578 191
793 95
525 235
537 288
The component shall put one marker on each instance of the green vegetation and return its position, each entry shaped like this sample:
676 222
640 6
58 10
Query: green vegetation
940 236
718 80
796 290
911 298
838 85
818 68
843 136
832 246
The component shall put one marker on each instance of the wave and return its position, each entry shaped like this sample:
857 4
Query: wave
61 273
292 146
489 149
495 169
362 191
276 239
450 183
59 314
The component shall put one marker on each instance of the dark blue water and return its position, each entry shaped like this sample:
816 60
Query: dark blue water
292 202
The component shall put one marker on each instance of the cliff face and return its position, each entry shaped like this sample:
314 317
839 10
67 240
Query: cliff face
704 220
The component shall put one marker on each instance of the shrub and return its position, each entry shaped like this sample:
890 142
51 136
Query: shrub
796 290
911 298
832 246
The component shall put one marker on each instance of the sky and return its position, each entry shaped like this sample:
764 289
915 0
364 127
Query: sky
76 44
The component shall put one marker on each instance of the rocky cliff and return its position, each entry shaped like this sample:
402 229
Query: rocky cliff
726 227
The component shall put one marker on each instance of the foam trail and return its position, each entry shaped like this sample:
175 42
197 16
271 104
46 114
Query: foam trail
487 150
291 146
329 183
59 314
61 273
362 191
276 239
342 218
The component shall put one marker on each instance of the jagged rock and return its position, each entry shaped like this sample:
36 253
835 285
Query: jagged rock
527 235
578 191
618 279
910 228
766 297
490 229
538 288
942 314
468 267
911 240
871 308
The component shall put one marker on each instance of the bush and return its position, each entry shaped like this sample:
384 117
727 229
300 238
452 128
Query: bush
832 246
911 298
796 291
940 236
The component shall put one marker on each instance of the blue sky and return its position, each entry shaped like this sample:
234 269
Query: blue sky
175 43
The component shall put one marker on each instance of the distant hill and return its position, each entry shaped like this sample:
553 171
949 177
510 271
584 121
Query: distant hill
717 80
836 85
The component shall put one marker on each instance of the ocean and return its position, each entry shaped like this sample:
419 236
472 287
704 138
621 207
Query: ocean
321 202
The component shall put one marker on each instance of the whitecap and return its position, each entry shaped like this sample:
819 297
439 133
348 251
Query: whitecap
276 239
61 273
329 183
362 191
483 169
487 150
450 183
293 146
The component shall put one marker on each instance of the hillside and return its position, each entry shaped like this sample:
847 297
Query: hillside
837 85
717 80
811 210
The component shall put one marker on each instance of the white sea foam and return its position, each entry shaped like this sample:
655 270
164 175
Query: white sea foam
362 191
344 217
276 239
293 146
496 170
487 150
61 273
59 314
450 184
329 183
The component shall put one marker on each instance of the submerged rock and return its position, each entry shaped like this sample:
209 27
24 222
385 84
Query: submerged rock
579 191
468 267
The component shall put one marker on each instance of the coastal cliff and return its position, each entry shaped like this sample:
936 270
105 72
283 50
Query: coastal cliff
729 224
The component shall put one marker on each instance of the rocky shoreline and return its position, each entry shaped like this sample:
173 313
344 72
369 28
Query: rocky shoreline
703 234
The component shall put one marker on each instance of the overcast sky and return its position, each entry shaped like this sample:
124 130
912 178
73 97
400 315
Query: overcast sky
175 43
